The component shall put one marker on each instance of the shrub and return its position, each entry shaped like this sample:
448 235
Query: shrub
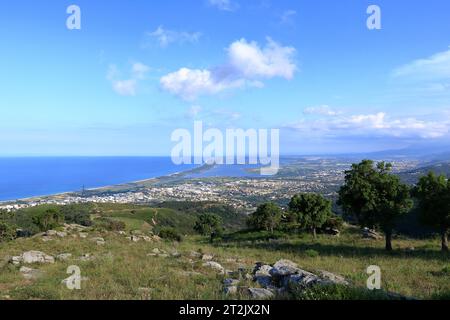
312 253
7 232
78 214
48 219
170 234
110 224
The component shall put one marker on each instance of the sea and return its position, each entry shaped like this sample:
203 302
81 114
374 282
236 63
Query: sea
30 177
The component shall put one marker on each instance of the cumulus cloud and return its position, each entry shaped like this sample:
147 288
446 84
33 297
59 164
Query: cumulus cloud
247 65
224 5
378 124
166 37
127 87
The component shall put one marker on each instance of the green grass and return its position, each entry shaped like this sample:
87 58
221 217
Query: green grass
122 269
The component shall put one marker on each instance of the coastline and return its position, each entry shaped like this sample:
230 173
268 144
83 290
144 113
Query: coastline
117 188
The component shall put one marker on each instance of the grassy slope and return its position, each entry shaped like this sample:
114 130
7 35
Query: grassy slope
122 267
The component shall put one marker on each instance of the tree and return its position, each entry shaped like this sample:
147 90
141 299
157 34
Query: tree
209 225
7 232
266 217
48 219
433 195
375 197
312 210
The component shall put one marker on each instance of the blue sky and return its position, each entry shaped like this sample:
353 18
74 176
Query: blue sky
137 70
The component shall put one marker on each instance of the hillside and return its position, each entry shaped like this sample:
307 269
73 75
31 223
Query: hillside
135 264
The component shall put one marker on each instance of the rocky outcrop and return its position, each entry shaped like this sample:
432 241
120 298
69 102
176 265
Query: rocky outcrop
281 277
30 257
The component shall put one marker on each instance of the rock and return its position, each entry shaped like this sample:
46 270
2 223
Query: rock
87 257
260 294
207 257
230 282
371 234
61 234
63 256
122 233
134 238
46 239
147 239
332 278
304 279
195 254
29 273
262 270
263 281
229 291
156 251
284 268
36 257
51 233
16 260
214 265
83 235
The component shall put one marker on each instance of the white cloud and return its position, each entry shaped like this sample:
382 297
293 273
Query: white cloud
127 87
436 67
247 65
224 5
323 110
379 124
271 61
166 37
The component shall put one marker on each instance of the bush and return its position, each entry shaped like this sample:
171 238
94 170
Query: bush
170 234
312 253
49 219
78 214
7 232
111 225
334 222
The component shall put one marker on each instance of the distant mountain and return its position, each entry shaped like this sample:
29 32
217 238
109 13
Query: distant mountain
412 176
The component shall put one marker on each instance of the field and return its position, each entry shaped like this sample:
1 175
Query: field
123 269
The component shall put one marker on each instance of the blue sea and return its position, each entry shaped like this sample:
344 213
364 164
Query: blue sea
29 177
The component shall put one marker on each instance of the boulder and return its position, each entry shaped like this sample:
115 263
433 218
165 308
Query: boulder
51 233
229 291
214 265
207 257
260 294
61 234
29 273
36 257
230 282
83 235
332 278
283 268
63 256
303 279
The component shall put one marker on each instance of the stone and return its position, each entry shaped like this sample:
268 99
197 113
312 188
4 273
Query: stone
195 254
63 256
304 279
260 294
229 291
207 257
51 233
61 234
83 235
214 265
263 270
284 268
36 257
332 278
16 260
29 273
371 234
263 281
46 239
230 282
